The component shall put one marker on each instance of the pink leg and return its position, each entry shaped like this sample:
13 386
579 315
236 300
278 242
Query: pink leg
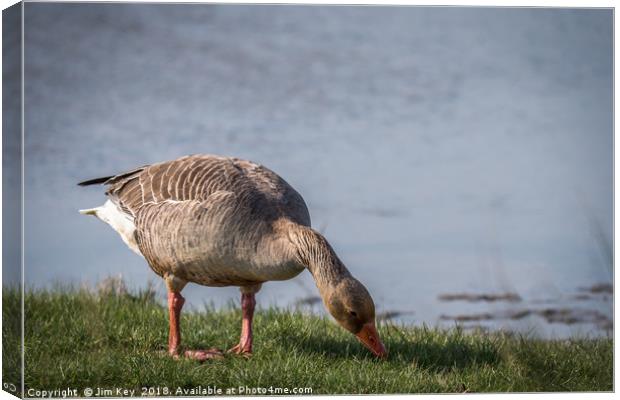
245 342
175 304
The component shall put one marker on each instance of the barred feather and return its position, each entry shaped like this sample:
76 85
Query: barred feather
205 218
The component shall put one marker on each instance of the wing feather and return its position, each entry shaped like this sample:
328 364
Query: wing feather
197 177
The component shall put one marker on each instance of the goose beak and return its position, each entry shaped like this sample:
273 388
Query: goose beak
370 338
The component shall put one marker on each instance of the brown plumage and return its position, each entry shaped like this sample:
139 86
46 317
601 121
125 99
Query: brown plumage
220 221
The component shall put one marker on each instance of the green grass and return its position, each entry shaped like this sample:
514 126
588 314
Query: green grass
76 339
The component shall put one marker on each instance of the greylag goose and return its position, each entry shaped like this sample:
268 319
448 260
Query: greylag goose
220 221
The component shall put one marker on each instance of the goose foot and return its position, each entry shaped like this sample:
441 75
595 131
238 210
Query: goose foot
198 355
203 355
242 350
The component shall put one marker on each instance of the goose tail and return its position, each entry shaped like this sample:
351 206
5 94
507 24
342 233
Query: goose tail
96 181
89 211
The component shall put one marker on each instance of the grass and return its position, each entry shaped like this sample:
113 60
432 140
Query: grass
77 339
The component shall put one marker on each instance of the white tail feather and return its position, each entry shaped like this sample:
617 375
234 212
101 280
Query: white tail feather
122 223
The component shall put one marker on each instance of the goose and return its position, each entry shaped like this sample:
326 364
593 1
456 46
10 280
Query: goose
223 221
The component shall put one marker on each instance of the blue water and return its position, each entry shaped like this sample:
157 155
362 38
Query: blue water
440 150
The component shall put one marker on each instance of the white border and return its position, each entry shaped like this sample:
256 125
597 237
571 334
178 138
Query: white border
434 3
479 3
23 120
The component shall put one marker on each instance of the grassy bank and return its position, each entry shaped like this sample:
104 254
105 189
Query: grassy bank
76 339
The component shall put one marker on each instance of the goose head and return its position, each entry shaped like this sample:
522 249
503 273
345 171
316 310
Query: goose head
346 299
352 307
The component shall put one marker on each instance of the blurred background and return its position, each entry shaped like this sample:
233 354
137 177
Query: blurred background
459 160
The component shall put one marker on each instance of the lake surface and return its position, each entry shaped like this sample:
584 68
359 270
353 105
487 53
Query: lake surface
440 150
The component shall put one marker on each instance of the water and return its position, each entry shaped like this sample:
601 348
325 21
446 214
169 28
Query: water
440 150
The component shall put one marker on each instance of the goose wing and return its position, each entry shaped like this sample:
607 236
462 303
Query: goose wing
197 177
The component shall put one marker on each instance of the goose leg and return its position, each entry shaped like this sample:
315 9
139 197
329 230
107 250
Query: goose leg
248 302
175 304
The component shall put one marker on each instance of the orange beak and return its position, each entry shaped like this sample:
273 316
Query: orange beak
370 338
